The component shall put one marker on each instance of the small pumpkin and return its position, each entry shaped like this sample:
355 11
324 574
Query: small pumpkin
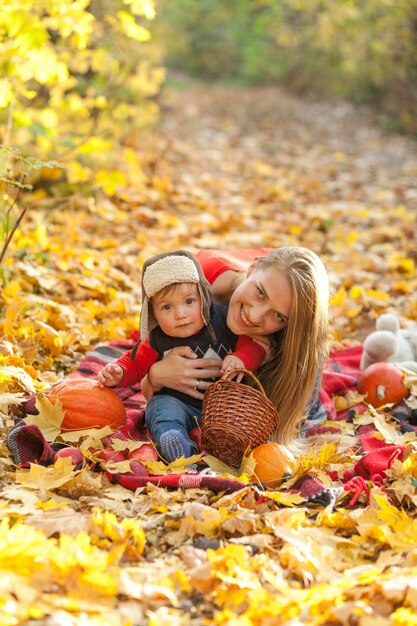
272 462
382 383
86 405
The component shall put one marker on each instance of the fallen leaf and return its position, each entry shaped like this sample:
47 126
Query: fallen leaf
49 419
40 477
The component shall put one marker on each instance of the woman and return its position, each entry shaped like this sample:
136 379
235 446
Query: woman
280 298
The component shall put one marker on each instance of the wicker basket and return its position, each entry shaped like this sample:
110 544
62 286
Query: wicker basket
236 418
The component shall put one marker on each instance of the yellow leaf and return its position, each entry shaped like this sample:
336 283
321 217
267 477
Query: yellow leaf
389 433
7 399
178 467
315 460
6 92
142 7
248 465
40 477
77 173
286 499
91 437
49 419
356 292
219 467
403 617
110 181
120 467
18 374
351 398
50 337
378 294
50 504
402 286
131 28
396 519
22 548
402 264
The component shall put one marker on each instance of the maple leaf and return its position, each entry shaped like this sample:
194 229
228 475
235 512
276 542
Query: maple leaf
388 431
222 468
7 399
40 477
410 380
286 499
118 467
89 437
79 566
49 419
21 547
179 466
396 519
11 373
315 460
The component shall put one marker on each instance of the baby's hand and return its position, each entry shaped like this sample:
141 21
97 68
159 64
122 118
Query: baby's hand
231 362
110 375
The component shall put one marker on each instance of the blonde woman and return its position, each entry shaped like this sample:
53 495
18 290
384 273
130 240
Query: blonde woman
279 298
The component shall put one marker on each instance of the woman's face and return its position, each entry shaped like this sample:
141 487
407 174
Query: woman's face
261 304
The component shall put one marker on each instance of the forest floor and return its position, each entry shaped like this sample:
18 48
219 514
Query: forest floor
225 167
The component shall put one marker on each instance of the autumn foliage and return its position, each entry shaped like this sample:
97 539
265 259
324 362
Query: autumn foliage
223 167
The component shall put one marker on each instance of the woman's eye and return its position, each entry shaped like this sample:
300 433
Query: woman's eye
259 292
280 317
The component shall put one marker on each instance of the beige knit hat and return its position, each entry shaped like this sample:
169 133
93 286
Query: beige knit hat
169 268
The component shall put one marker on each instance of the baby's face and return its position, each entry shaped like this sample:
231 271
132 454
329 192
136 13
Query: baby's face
178 311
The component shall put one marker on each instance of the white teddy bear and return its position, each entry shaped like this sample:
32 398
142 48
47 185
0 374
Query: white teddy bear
391 343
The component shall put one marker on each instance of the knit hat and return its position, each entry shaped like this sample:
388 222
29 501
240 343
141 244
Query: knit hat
169 268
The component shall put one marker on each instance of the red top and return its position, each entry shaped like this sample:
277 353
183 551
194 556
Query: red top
215 262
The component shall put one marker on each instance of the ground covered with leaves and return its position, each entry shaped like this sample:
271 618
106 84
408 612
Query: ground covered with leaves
225 168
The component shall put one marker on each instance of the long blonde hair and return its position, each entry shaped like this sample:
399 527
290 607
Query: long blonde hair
290 377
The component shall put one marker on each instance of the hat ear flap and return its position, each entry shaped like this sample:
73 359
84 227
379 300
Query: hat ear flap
205 295
205 306
144 319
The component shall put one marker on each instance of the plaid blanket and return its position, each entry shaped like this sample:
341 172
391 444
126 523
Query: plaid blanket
341 371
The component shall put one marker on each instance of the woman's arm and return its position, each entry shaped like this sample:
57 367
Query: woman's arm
183 371
225 284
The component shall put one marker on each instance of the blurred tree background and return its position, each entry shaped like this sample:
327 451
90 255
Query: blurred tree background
363 51
80 77
77 79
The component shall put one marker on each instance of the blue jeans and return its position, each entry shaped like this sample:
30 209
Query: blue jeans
164 413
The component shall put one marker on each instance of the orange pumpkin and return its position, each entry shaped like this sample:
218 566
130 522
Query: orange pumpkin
383 384
86 405
272 462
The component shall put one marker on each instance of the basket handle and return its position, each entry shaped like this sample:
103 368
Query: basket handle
246 372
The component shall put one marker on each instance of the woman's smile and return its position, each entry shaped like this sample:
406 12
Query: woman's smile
244 318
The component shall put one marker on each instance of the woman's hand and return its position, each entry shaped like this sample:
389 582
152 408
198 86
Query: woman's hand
183 371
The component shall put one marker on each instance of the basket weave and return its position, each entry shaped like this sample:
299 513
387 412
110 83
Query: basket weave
236 418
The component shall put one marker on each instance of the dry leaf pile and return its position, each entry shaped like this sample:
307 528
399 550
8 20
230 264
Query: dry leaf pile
225 168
